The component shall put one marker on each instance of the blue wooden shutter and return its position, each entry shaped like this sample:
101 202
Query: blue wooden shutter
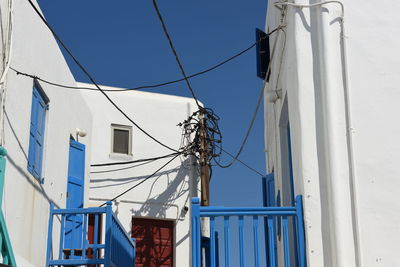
262 53
36 134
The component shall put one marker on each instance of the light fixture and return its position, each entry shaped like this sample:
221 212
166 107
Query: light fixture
80 132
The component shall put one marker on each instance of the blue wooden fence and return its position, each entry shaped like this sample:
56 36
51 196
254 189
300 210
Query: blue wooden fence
254 213
117 250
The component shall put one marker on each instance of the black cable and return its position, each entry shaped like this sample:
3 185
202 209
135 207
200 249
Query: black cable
92 80
141 182
175 53
143 86
253 119
124 168
245 164
234 158
134 161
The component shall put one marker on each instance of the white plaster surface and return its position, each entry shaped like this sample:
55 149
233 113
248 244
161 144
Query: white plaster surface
311 77
170 190
26 201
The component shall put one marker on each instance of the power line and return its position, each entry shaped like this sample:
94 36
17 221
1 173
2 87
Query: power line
124 168
253 119
19 72
236 157
245 164
93 81
164 27
141 182
134 161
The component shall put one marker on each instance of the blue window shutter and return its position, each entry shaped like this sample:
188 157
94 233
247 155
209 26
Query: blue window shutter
262 53
271 189
32 132
36 134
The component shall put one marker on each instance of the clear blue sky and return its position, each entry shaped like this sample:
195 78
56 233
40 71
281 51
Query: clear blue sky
121 43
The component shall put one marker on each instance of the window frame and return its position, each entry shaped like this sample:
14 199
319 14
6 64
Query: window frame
35 166
130 136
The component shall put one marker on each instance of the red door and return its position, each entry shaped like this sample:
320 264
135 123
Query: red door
154 242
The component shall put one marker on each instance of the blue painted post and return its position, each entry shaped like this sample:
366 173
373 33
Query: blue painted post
62 234
227 244
50 235
255 233
241 241
73 233
271 237
84 238
108 245
216 249
196 247
300 232
212 242
95 237
286 250
265 204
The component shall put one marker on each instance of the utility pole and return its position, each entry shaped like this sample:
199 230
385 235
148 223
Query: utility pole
204 163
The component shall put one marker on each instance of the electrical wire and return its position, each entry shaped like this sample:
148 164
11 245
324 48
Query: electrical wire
164 27
141 182
19 72
244 164
254 116
83 69
134 161
124 168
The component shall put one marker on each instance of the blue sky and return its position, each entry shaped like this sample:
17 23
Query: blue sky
121 43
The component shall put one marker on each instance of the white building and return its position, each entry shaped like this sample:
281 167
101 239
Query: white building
159 205
48 162
331 113
37 112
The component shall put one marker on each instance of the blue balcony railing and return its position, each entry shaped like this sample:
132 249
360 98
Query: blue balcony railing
288 221
80 239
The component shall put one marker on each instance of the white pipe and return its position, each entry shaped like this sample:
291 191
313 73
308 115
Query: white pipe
9 45
349 129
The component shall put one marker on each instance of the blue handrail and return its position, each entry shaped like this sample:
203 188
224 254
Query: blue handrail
118 249
293 246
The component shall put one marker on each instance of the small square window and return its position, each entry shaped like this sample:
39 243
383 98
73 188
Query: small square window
121 142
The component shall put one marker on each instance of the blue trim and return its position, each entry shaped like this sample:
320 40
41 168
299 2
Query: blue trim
75 195
289 143
269 201
262 54
119 247
295 212
296 256
36 132
196 248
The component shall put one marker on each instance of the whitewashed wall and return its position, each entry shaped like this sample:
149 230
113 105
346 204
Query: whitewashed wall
350 220
26 201
169 191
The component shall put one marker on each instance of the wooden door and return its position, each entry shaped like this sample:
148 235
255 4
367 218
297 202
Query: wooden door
154 242
75 191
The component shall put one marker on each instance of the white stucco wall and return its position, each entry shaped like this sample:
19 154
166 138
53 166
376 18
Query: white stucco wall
350 221
169 191
26 201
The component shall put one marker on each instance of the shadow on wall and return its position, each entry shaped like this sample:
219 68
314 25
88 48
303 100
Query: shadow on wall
176 189
22 170
153 203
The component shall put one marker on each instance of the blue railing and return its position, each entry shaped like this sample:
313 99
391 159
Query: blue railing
291 222
80 246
